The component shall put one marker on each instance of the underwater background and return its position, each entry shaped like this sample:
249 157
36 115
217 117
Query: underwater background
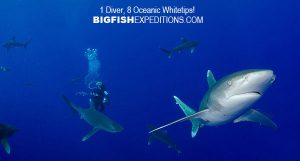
142 81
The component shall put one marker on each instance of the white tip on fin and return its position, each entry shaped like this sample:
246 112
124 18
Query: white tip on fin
91 133
196 123
210 79
256 116
150 140
192 50
5 145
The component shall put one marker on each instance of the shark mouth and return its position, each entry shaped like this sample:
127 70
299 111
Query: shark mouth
254 92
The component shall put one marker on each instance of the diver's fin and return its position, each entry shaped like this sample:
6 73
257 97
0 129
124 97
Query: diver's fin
210 79
256 116
196 123
5 145
168 52
91 133
183 40
70 104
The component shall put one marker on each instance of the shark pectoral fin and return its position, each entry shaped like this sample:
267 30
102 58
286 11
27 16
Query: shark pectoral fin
91 133
150 140
193 50
5 145
210 79
168 52
256 116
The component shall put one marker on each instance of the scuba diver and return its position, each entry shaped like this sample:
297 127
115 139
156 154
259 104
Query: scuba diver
99 97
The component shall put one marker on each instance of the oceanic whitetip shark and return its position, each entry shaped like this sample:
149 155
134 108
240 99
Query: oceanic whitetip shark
96 119
5 132
162 136
229 99
184 45
12 43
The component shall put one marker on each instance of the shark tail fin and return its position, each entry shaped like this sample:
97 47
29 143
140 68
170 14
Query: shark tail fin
196 123
168 52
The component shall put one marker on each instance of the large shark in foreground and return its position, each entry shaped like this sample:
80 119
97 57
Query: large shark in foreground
229 99
163 137
184 45
5 132
96 119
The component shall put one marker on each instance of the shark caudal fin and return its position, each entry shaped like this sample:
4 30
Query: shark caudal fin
168 52
196 123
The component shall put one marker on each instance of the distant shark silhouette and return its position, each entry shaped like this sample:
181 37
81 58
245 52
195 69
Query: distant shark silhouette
5 132
12 43
229 99
184 45
96 119
162 136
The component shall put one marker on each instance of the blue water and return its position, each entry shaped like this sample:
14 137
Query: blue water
141 79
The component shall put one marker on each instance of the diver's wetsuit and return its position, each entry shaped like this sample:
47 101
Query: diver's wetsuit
100 98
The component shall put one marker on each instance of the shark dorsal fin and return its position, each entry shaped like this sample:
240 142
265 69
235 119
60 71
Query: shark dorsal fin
183 40
13 38
5 145
210 79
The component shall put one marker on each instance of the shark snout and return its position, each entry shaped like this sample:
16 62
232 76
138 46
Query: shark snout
267 76
258 81
263 76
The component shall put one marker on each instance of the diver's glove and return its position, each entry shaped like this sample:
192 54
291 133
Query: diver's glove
106 101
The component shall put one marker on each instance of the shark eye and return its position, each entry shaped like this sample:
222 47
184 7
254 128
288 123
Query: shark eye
229 82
